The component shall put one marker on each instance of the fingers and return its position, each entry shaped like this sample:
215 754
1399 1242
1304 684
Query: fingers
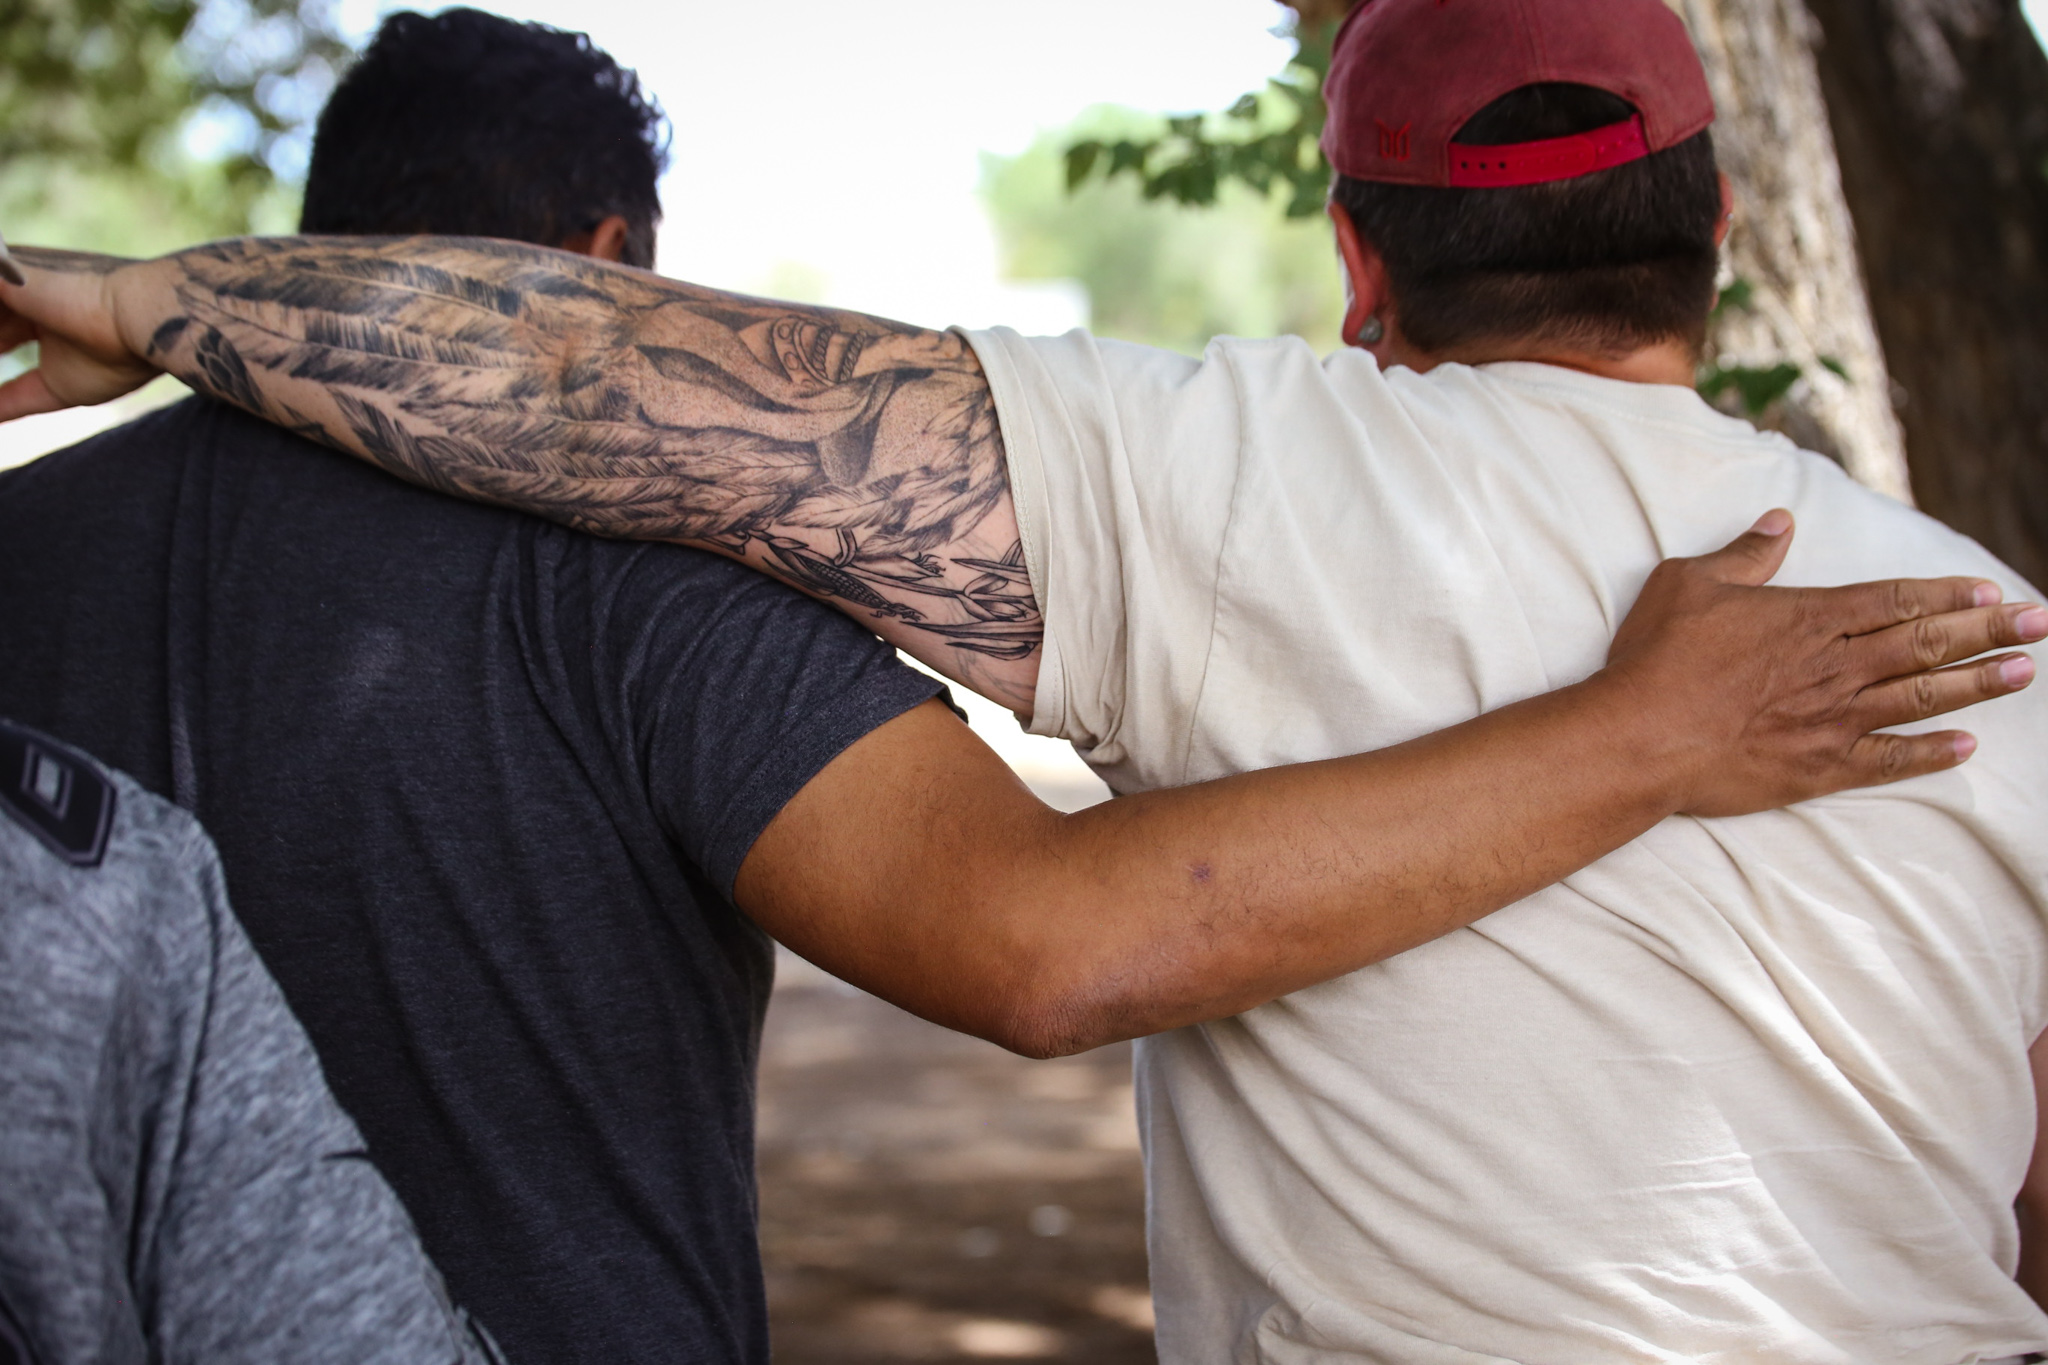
1905 700
26 395
1933 641
1863 608
1878 759
1755 555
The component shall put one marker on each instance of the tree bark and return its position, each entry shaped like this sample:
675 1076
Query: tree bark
1940 110
1793 241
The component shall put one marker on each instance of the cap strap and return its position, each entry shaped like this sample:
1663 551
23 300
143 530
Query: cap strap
1557 158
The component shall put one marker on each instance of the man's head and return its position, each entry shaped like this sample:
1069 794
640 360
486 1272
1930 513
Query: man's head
466 124
1524 172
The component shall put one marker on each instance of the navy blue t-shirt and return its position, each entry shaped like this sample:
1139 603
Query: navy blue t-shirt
481 786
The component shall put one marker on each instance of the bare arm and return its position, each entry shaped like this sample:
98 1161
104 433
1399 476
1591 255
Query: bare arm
918 867
853 458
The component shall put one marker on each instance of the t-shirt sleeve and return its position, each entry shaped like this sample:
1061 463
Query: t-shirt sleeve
730 693
1124 463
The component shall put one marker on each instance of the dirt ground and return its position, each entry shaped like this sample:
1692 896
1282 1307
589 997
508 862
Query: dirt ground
929 1197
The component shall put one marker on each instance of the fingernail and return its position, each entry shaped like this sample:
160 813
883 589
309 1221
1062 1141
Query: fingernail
1987 595
1775 522
2017 672
1965 746
2032 623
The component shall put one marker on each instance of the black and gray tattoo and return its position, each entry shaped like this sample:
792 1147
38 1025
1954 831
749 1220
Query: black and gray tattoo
854 458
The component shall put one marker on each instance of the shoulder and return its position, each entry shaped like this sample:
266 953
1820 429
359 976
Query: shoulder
59 797
112 462
96 870
67 820
136 465
1076 360
674 601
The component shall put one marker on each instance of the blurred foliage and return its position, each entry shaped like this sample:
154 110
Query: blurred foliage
1154 271
1267 141
1754 387
1749 390
137 125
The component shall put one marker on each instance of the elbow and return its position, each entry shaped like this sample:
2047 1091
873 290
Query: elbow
1043 1040
1049 1016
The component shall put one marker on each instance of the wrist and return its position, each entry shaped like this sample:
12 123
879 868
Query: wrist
130 298
1652 733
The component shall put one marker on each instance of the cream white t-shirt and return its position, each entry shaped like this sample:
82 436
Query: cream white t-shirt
1747 1090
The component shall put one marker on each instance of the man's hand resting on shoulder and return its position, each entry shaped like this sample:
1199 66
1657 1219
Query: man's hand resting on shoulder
1783 688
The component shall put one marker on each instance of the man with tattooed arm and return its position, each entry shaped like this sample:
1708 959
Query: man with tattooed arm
1573 1131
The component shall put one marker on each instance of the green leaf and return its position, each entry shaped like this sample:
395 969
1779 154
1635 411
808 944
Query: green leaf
1282 125
1738 297
1756 387
1081 159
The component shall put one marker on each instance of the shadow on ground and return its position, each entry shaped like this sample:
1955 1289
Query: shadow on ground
929 1197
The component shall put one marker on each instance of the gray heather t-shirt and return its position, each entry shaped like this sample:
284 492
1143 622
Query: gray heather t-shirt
176 1183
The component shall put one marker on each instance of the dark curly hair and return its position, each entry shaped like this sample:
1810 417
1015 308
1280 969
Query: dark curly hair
466 124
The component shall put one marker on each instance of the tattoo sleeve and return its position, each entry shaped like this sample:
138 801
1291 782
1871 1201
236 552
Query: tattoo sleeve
856 459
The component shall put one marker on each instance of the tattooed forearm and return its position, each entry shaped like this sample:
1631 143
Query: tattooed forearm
854 458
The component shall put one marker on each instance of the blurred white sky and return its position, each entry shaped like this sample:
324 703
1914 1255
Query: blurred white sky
833 148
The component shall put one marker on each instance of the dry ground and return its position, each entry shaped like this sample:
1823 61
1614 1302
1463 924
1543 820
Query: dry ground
929 1197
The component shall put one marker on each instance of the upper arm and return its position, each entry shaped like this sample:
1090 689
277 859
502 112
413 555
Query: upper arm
899 511
871 473
901 867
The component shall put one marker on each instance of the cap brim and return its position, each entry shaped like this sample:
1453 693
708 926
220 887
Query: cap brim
9 271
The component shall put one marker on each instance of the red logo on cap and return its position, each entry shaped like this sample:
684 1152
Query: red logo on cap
1394 141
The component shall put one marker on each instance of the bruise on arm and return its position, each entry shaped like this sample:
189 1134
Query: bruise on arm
856 459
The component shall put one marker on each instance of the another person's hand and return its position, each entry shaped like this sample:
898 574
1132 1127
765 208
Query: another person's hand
67 303
1775 692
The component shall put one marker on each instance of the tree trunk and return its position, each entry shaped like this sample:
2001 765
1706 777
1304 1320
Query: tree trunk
1941 115
1793 242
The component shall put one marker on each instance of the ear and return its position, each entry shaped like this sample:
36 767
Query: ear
1727 210
606 241
1366 294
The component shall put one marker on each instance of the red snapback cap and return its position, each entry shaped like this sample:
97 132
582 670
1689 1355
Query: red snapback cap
1406 75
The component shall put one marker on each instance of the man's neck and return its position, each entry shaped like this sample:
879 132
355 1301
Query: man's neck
1667 362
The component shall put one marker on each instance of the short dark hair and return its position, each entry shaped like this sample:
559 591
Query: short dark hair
467 124
1614 260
